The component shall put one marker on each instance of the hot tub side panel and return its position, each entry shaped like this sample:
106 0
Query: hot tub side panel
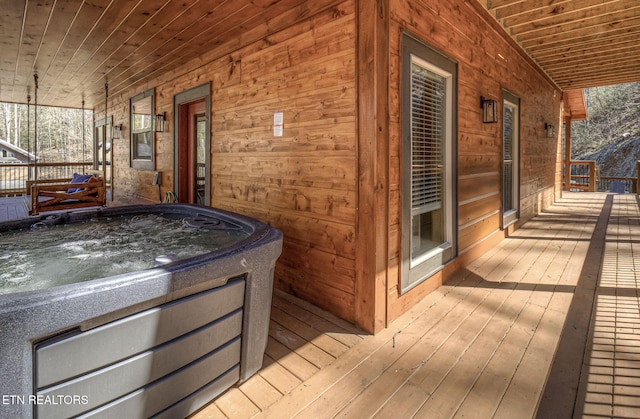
30 317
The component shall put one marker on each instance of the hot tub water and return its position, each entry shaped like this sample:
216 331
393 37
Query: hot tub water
50 254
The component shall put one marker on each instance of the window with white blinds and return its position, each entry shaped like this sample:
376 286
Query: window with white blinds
427 139
508 203
429 212
510 147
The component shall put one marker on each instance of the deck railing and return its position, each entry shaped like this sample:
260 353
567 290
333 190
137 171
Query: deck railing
617 184
585 176
14 176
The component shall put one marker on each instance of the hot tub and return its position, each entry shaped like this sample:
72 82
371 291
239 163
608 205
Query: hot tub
163 340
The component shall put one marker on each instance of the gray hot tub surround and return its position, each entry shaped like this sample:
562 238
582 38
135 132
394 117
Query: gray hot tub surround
162 341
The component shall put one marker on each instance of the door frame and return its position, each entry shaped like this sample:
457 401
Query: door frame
105 126
199 92
511 216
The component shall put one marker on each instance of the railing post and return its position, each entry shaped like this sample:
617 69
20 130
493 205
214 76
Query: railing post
592 176
638 177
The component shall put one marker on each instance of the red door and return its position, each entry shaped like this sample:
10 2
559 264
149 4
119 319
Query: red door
191 177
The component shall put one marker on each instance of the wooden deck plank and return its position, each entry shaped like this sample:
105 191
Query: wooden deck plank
483 398
520 259
525 388
423 339
490 387
481 345
294 402
13 208
260 392
323 341
293 362
301 346
560 391
210 411
278 376
234 404
327 324
451 394
377 394
607 386
440 365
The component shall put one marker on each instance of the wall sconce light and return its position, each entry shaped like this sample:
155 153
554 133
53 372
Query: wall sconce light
161 119
116 131
489 110
550 130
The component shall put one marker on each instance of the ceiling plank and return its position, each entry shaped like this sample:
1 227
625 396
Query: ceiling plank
75 45
88 15
99 38
118 38
36 20
591 18
583 37
523 7
498 4
556 13
11 29
577 54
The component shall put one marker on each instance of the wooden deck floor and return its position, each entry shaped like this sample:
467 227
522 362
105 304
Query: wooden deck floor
13 207
546 324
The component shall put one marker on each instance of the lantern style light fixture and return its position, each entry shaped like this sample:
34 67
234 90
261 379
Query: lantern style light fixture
161 119
116 132
489 110
550 130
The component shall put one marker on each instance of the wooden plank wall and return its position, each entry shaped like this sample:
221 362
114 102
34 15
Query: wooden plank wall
304 182
487 63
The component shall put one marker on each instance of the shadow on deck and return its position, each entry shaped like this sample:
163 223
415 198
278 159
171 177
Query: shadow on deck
545 324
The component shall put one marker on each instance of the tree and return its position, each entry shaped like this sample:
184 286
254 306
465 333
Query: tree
614 114
61 133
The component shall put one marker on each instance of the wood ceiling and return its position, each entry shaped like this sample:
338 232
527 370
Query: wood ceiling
76 45
578 43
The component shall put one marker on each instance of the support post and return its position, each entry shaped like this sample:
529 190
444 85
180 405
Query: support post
638 177
567 154
372 225
592 176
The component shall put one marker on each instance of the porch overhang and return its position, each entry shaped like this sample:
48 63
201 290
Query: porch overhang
75 47
578 43
575 105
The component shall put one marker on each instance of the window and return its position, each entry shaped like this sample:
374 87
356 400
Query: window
142 132
429 135
510 172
